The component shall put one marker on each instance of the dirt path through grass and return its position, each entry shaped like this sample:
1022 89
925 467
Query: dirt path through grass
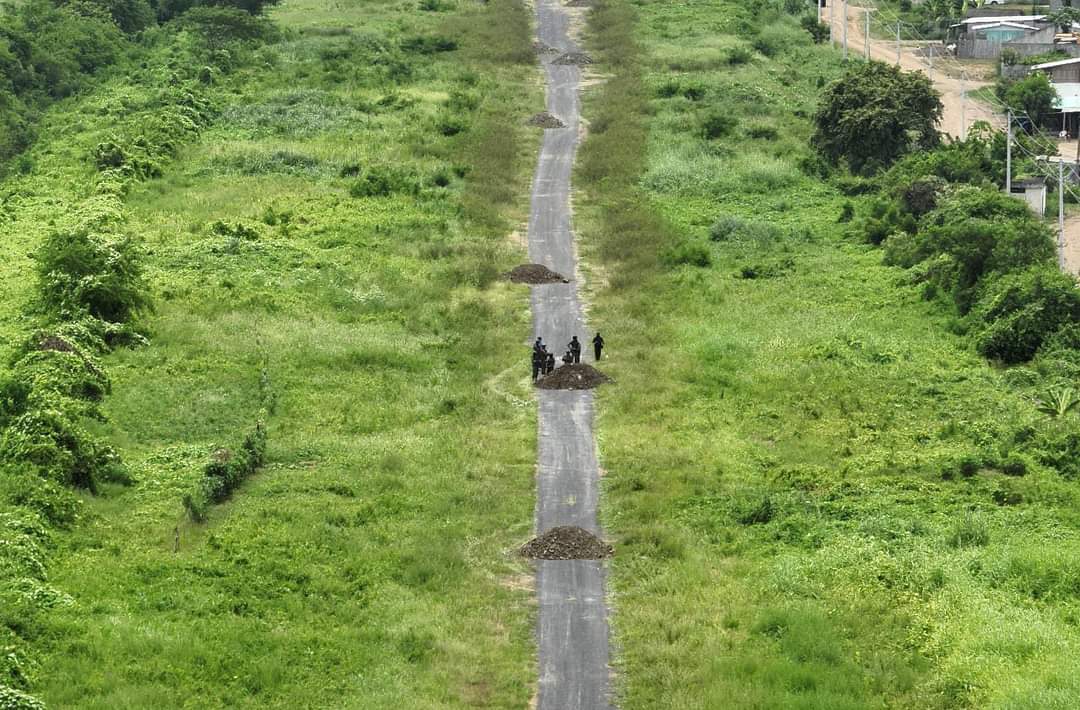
956 114
572 629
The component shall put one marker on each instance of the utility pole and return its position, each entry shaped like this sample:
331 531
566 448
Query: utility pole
832 24
866 35
898 43
844 20
1061 213
1008 152
963 105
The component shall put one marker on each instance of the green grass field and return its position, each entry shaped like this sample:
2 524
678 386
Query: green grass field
789 529
371 562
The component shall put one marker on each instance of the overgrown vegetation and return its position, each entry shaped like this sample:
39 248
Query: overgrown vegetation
194 232
852 506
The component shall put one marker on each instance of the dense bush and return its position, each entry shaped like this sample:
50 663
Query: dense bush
225 472
91 273
875 114
1021 311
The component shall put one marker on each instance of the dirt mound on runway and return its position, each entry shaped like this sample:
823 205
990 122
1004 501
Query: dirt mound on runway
546 120
579 3
535 274
573 377
541 48
567 543
578 59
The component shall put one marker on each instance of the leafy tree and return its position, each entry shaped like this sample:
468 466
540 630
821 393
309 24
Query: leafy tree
1034 95
1064 17
170 9
875 114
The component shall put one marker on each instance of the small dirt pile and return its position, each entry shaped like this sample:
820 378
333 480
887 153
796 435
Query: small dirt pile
573 377
541 48
578 59
567 543
535 274
546 120
578 3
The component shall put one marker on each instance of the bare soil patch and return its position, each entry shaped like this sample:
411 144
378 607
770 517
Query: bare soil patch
573 377
578 3
546 120
567 542
541 48
535 274
579 59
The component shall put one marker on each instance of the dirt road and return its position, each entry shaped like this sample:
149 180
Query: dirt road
572 631
957 114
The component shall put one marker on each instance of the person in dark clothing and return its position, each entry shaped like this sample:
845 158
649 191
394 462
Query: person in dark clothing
537 363
549 365
597 345
567 358
538 345
575 349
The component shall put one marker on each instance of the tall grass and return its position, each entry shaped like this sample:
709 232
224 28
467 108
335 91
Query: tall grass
783 451
365 564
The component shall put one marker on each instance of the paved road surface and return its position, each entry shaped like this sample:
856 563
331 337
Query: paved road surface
573 630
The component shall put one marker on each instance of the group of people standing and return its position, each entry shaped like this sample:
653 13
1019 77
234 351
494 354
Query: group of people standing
543 362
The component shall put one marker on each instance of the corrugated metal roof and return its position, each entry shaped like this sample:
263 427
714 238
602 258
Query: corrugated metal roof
1059 63
1008 18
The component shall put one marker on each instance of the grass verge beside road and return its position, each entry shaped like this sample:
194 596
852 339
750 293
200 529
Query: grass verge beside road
329 250
790 487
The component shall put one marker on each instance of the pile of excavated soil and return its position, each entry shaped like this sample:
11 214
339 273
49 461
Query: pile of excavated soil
573 377
546 120
541 48
535 274
573 58
567 543
579 3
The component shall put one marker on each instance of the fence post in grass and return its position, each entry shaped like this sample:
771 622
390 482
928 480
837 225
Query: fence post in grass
898 43
866 35
832 23
844 20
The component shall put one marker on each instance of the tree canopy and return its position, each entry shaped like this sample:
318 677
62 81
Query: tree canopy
874 114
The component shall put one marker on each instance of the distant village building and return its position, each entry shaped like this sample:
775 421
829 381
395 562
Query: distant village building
987 35
1064 75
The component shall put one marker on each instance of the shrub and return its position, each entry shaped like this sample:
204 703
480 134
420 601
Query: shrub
763 132
225 472
819 31
739 55
1020 311
718 125
429 45
1059 448
382 181
88 273
757 512
689 253
50 439
1014 465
